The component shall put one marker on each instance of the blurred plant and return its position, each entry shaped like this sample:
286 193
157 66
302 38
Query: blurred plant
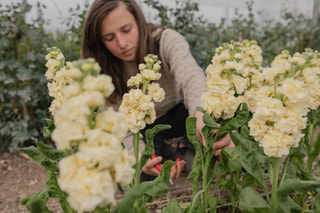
23 102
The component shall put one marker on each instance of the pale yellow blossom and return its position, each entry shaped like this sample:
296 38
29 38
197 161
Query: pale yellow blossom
156 92
87 188
102 83
150 75
72 89
100 151
135 80
112 122
123 168
68 133
239 83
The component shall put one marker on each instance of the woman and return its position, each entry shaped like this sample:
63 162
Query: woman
118 37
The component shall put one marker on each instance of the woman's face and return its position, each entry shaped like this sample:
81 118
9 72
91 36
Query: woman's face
120 34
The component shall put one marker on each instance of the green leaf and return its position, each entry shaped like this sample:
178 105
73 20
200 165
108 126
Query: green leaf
291 185
288 205
230 160
251 158
208 121
39 157
238 121
160 184
37 202
285 202
212 202
149 149
54 189
316 204
127 202
47 130
172 207
251 201
50 152
198 160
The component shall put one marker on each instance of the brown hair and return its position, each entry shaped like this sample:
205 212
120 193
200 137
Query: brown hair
93 46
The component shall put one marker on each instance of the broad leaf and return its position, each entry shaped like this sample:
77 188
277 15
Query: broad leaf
37 202
251 201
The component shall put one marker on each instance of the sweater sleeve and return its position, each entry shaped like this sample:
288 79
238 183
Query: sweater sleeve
189 77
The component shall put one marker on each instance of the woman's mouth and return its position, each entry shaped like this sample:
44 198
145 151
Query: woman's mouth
128 52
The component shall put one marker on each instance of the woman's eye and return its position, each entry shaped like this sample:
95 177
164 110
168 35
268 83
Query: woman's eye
126 30
108 38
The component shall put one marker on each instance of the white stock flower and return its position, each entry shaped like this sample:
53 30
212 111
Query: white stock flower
218 86
112 122
72 89
232 65
138 109
277 144
91 98
73 73
297 59
310 75
135 80
150 75
219 106
270 109
52 64
156 92
67 134
295 90
314 95
87 188
73 110
258 127
123 167
291 122
101 150
240 83
102 83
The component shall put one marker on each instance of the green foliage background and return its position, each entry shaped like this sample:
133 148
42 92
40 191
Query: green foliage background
24 99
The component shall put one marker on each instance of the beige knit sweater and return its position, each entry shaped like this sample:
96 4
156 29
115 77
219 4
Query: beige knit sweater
181 78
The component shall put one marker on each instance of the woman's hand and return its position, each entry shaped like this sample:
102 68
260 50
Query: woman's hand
177 169
223 142
150 167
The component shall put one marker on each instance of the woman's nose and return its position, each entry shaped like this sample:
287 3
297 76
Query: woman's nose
122 42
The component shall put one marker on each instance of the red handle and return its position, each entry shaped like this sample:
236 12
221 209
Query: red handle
158 166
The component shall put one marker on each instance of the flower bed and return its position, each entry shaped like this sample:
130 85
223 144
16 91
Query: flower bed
271 114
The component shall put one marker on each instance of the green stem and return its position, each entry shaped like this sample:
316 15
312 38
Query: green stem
274 182
195 198
145 85
136 154
205 184
310 154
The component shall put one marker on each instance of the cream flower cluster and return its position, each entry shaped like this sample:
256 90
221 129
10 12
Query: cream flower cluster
137 105
233 75
90 175
56 74
279 96
284 101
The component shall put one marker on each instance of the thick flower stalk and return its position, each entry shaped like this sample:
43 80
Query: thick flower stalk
232 77
90 175
137 104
